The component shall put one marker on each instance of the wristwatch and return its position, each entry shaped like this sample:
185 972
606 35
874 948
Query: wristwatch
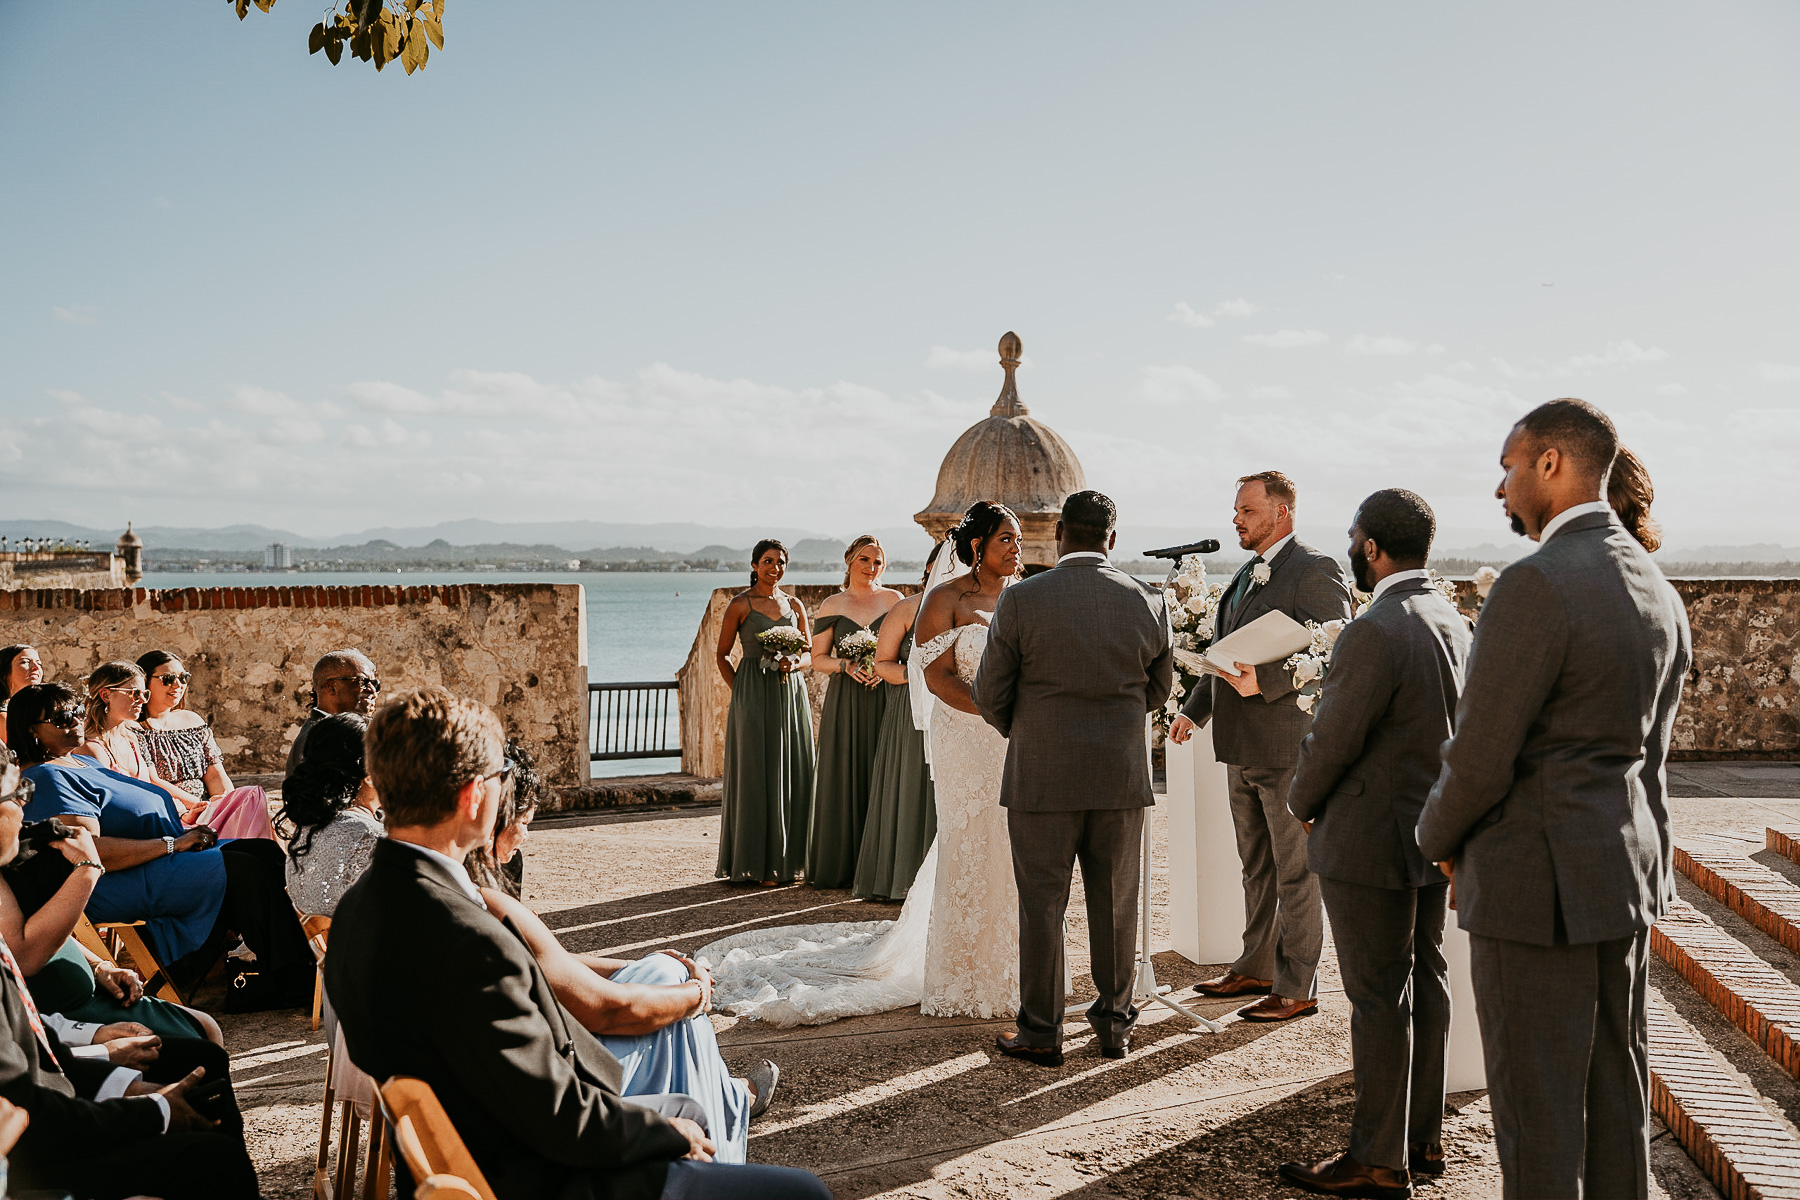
168 845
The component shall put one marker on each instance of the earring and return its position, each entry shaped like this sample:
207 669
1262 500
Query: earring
976 569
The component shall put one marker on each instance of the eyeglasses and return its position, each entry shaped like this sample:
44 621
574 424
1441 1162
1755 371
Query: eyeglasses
173 679
20 795
68 718
362 683
503 774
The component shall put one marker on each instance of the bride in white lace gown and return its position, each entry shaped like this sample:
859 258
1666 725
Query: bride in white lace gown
954 950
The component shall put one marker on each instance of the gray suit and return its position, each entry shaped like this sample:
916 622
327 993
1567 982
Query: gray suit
1364 772
1258 738
1075 660
1552 801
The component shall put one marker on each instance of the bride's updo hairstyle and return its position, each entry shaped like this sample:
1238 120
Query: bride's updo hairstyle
867 539
981 522
763 546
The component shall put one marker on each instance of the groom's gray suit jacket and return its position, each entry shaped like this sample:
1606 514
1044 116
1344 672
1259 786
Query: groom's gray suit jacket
1374 751
1075 659
1552 793
1265 730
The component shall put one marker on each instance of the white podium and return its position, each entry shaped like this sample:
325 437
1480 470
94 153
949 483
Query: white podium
1206 880
1464 1070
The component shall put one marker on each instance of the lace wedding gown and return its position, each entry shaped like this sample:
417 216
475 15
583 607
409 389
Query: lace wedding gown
954 950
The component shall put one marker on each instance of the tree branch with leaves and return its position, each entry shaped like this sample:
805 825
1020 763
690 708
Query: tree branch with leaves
377 31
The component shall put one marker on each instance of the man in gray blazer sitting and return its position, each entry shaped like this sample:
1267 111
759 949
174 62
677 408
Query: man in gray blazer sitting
1388 704
1076 659
1550 814
1257 727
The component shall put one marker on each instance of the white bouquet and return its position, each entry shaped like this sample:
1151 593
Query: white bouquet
1193 605
782 643
858 649
1311 665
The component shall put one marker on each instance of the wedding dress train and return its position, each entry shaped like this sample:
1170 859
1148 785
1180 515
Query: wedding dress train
954 949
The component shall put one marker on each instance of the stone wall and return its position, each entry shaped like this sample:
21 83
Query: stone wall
705 700
520 648
60 569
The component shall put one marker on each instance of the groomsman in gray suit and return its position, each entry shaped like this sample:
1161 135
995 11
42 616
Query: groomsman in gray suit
1551 817
1076 659
1257 727
1388 704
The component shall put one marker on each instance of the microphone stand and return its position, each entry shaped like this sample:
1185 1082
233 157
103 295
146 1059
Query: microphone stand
1144 988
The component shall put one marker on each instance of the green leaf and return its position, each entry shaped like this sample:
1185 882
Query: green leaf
435 30
334 50
315 41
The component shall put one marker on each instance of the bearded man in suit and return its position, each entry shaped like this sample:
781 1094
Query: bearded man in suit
1551 815
1257 728
1387 706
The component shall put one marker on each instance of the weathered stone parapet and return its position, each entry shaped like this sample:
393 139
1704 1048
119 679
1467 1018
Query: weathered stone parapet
520 648
60 569
1743 695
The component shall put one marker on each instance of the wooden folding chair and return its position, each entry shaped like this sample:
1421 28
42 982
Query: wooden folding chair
109 939
318 933
434 1152
377 1166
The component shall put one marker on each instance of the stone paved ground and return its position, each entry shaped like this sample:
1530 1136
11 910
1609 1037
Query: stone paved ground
900 1105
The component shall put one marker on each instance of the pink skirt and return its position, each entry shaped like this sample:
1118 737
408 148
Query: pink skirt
240 813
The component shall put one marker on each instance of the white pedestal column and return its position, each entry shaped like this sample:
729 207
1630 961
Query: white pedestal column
1206 889
1465 1069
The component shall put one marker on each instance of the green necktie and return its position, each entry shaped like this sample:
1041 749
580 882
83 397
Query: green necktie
1241 586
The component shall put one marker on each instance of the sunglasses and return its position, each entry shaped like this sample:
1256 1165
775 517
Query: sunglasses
362 683
20 795
134 693
68 718
503 774
173 679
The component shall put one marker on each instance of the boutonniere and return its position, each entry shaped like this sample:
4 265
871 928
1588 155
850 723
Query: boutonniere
1260 573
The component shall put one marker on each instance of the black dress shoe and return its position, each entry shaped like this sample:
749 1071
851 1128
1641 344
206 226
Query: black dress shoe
1118 1051
1425 1158
1043 1056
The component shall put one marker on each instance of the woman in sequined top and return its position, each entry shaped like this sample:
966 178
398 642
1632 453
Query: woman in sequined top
330 804
180 746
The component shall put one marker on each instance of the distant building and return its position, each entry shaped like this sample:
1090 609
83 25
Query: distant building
277 557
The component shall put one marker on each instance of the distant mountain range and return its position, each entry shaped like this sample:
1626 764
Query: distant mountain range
474 539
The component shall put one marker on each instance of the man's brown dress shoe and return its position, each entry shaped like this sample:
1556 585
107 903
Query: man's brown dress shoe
1278 1008
1233 984
1425 1158
1341 1175
1044 1056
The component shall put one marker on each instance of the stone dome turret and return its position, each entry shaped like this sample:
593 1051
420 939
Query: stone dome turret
1011 458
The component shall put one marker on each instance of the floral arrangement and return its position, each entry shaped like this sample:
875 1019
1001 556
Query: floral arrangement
1193 605
1311 665
781 642
858 649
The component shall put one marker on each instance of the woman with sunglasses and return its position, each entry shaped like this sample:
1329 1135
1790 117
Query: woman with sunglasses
181 749
115 700
20 667
188 889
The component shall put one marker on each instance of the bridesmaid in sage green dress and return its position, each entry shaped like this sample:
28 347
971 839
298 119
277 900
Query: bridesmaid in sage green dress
850 726
902 818
768 780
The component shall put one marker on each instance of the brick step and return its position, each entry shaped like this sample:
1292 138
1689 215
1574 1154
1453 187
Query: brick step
1747 991
1746 1152
1784 842
1749 889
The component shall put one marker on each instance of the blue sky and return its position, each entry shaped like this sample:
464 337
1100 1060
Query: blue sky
748 262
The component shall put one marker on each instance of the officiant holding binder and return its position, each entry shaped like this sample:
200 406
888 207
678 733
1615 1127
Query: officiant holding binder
1257 730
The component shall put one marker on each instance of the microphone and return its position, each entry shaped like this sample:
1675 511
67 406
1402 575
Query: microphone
1203 546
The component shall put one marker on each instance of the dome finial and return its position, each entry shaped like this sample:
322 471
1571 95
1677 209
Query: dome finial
1009 404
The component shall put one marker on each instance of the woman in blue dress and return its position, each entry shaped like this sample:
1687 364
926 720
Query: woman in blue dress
187 887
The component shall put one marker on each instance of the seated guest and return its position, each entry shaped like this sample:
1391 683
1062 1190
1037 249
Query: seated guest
187 888
535 1097
20 667
116 697
343 681
643 1011
100 1130
330 806
181 749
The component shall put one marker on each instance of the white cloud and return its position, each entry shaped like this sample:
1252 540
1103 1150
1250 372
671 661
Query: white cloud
388 433
1176 384
1362 343
1670 389
964 360
181 403
261 402
1287 339
1185 314
76 314
1239 307
1780 373
1617 354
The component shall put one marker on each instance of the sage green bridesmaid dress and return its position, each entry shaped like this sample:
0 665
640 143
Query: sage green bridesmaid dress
849 729
769 767
902 820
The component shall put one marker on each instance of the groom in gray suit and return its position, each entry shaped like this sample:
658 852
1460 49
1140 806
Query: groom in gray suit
1076 659
1388 704
1257 727
1551 817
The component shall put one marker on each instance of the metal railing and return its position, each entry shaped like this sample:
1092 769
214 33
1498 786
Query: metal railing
633 720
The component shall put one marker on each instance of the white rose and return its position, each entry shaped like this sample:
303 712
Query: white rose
1204 629
1184 641
1197 604
1331 630
1306 670
1260 572
1485 578
1174 705
1305 701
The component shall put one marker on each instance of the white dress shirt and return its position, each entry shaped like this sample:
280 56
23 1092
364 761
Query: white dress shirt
1269 554
1397 577
1074 554
1569 514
